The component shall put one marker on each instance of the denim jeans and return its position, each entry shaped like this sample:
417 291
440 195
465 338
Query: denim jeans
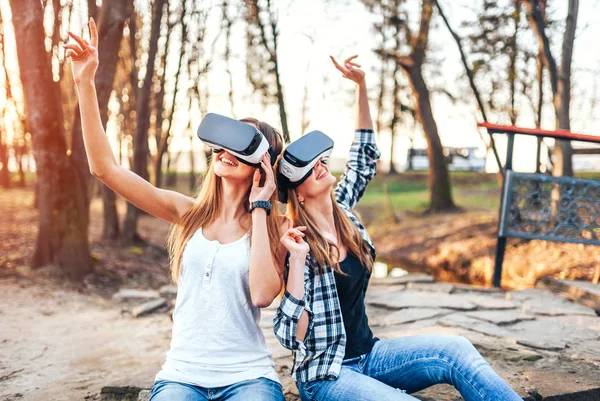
395 368
250 390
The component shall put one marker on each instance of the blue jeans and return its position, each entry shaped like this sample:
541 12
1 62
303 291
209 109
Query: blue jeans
395 368
250 390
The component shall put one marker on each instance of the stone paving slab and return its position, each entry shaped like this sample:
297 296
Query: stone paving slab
528 293
469 323
555 306
473 289
439 287
582 292
412 315
130 294
490 302
409 278
573 334
586 285
148 307
503 317
168 291
421 299
543 344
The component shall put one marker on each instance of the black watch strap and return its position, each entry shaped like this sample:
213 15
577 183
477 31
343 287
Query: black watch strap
261 204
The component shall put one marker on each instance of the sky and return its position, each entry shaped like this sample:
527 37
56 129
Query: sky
342 28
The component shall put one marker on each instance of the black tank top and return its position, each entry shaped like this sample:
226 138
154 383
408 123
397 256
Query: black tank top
351 290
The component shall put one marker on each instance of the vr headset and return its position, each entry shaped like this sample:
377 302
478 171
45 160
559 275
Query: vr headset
242 140
299 158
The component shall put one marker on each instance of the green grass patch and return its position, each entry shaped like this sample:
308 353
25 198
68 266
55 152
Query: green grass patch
410 192
588 175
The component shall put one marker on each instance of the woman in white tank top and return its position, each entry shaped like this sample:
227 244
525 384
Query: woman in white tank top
218 351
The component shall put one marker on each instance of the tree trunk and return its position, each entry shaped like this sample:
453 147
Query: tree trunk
192 134
513 56
256 11
140 142
159 109
539 110
110 228
563 151
4 173
62 237
280 100
440 196
20 150
93 8
281 103
560 77
395 119
163 143
113 15
393 169
192 177
411 152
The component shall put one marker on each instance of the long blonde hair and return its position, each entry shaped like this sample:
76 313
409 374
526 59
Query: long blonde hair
324 251
207 207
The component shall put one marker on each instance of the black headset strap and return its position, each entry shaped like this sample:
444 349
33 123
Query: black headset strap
283 184
273 155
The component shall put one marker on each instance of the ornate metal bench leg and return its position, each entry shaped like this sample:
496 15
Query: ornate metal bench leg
500 248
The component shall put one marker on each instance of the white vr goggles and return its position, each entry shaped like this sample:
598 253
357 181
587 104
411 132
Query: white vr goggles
300 157
242 140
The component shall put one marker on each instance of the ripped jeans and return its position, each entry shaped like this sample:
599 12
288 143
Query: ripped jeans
398 367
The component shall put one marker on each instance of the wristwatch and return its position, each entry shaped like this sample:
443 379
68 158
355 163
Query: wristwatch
261 204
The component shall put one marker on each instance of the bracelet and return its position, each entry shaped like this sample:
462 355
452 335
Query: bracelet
262 205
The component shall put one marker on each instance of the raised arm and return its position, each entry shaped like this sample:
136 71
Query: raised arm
265 276
362 163
167 205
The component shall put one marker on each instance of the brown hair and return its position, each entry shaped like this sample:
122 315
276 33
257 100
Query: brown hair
207 207
323 251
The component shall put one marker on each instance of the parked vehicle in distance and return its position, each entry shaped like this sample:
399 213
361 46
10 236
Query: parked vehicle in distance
458 159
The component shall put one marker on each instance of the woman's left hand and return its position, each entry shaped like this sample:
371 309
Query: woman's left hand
293 241
350 69
264 193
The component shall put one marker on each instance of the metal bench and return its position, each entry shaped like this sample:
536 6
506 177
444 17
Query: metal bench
540 206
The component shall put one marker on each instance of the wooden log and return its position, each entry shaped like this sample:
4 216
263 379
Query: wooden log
582 292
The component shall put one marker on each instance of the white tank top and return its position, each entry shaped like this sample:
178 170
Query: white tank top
216 338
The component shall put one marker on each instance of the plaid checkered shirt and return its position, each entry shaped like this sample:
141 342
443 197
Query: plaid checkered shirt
321 353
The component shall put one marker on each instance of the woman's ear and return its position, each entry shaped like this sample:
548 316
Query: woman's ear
300 198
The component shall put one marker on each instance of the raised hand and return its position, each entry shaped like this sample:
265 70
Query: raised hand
84 55
293 241
350 69
263 193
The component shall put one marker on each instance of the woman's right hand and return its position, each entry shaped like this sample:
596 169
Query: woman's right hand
84 55
293 241
350 70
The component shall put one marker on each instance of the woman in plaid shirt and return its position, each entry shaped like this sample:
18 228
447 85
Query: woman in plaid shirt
322 314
